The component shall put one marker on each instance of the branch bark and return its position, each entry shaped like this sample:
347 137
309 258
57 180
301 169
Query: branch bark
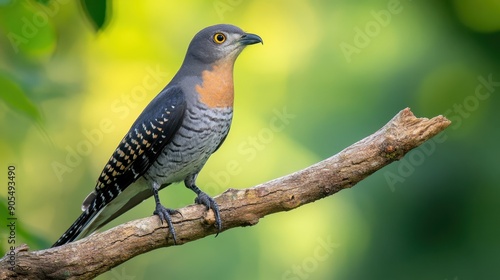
98 253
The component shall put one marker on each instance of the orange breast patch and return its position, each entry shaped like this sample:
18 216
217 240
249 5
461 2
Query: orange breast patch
217 89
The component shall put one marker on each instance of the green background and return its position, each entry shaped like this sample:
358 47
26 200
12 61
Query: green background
72 82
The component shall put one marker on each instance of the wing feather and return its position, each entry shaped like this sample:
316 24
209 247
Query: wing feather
141 146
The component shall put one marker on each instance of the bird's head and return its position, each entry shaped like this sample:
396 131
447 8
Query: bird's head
219 42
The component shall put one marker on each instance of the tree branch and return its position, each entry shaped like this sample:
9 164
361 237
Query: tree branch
100 252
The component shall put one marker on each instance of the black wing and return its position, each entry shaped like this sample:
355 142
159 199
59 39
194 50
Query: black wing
141 146
147 137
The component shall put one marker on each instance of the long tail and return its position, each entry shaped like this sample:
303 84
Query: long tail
98 212
77 228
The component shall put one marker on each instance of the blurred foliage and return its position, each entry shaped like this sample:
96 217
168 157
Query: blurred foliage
328 74
97 12
14 97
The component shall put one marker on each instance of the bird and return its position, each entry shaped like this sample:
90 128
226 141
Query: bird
173 137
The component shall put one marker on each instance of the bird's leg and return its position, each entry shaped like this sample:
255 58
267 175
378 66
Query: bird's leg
204 199
164 213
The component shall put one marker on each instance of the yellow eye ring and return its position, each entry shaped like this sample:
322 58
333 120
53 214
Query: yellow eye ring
219 38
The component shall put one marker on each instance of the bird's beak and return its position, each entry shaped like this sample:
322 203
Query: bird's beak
250 39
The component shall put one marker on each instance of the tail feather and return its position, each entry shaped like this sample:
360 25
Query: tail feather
98 212
78 229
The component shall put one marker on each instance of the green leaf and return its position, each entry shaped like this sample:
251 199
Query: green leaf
97 11
16 99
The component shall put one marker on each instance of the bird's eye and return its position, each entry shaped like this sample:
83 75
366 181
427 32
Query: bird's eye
219 38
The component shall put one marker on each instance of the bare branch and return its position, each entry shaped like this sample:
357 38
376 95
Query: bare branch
100 252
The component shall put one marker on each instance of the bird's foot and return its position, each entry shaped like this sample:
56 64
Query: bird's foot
164 215
210 203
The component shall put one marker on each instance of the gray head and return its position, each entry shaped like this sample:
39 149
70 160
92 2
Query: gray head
219 42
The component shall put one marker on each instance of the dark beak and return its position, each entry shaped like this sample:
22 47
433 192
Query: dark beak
250 39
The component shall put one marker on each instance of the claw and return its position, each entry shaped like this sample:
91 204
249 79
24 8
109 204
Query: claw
164 215
210 203
204 199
